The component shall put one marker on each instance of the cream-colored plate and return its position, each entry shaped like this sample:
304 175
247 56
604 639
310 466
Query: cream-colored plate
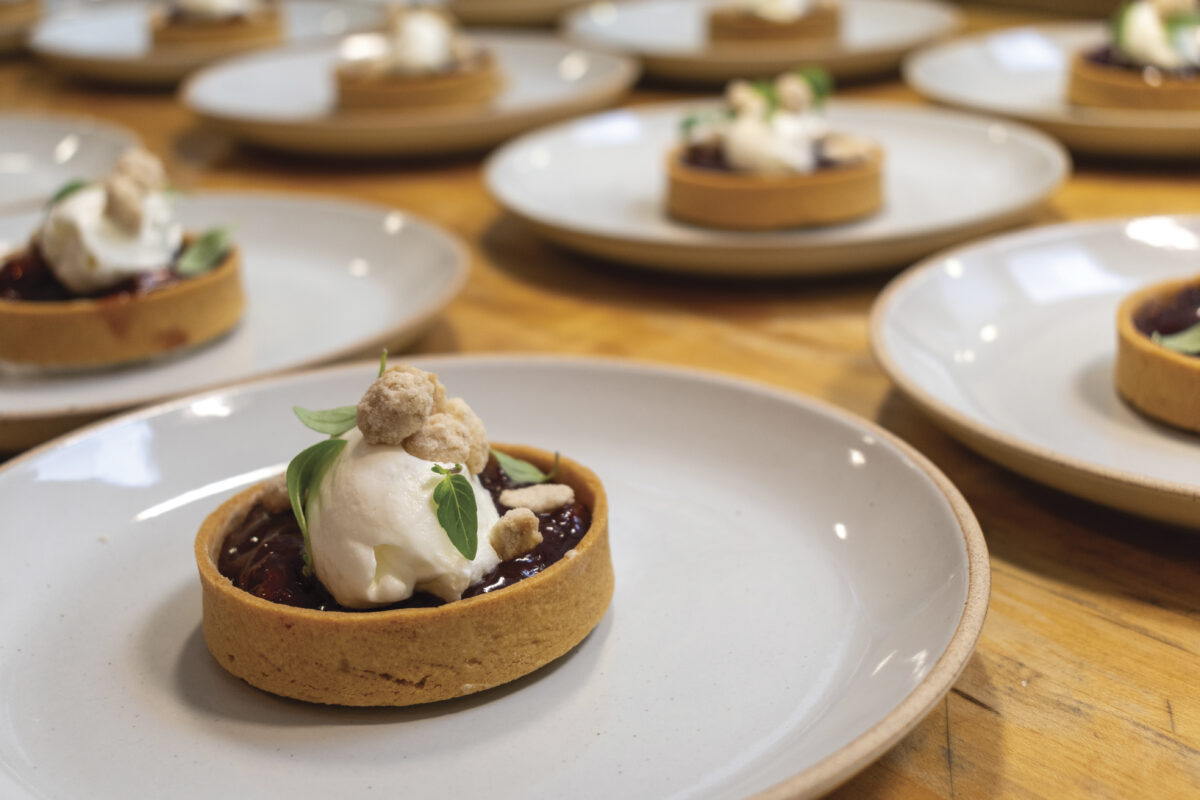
286 99
1009 345
795 589
670 37
511 12
947 177
324 280
110 42
1022 73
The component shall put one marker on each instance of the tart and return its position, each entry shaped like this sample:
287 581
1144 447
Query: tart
739 24
1151 64
295 614
172 28
768 164
1159 381
422 62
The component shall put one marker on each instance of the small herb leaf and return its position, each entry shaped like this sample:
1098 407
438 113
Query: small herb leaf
204 253
1185 341
820 81
333 421
520 471
457 513
304 474
382 363
440 470
66 190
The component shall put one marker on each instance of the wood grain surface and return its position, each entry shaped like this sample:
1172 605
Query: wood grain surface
1086 682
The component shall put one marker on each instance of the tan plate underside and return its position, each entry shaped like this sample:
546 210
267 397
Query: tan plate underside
734 26
1173 503
735 201
465 87
409 656
1159 382
118 330
1100 86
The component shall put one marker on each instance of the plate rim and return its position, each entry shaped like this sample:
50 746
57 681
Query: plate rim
956 423
462 267
835 768
1118 120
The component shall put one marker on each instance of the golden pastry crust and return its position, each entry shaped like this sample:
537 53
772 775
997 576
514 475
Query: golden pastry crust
1158 382
112 330
362 90
1103 86
20 14
408 656
737 201
260 29
734 26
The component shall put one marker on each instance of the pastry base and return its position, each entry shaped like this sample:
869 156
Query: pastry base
365 91
407 656
1158 382
734 26
1102 86
115 330
736 201
261 29
20 14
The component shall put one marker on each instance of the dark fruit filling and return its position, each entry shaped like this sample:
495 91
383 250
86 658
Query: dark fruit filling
1167 315
711 156
264 554
1109 56
25 275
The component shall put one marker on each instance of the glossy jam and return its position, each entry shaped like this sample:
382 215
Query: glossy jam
1167 315
264 555
26 276
1108 56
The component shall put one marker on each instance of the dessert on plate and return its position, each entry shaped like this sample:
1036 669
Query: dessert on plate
778 21
111 276
404 559
768 160
223 26
1158 352
422 61
1151 63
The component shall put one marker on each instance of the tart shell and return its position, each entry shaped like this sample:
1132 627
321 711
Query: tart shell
737 201
1103 86
367 91
735 26
121 328
407 656
260 29
1158 382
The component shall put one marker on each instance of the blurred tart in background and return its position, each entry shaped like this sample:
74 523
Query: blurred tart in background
755 21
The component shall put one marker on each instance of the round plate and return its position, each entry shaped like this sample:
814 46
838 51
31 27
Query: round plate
324 280
947 177
795 589
670 37
110 42
1022 73
287 99
1009 344
39 153
510 12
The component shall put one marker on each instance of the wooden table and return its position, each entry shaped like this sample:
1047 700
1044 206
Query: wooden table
1086 682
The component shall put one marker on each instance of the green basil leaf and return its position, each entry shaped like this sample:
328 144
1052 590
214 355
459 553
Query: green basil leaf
440 470
206 252
1177 23
520 471
332 421
66 190
1185 341
304 474
458 514
819 80
1119 18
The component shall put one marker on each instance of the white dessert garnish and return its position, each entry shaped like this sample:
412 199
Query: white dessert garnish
1160 33
104 234
216 9
779 10
419 41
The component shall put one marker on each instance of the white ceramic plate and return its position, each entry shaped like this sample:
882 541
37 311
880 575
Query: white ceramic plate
510 12
1022 73
110 42
795 589
287 99
39 153
670 36
324 280
947 177
1009 344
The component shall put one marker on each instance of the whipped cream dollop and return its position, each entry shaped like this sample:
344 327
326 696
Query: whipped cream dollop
104 234
778 10
419 41
375 534
1161 33
216 9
